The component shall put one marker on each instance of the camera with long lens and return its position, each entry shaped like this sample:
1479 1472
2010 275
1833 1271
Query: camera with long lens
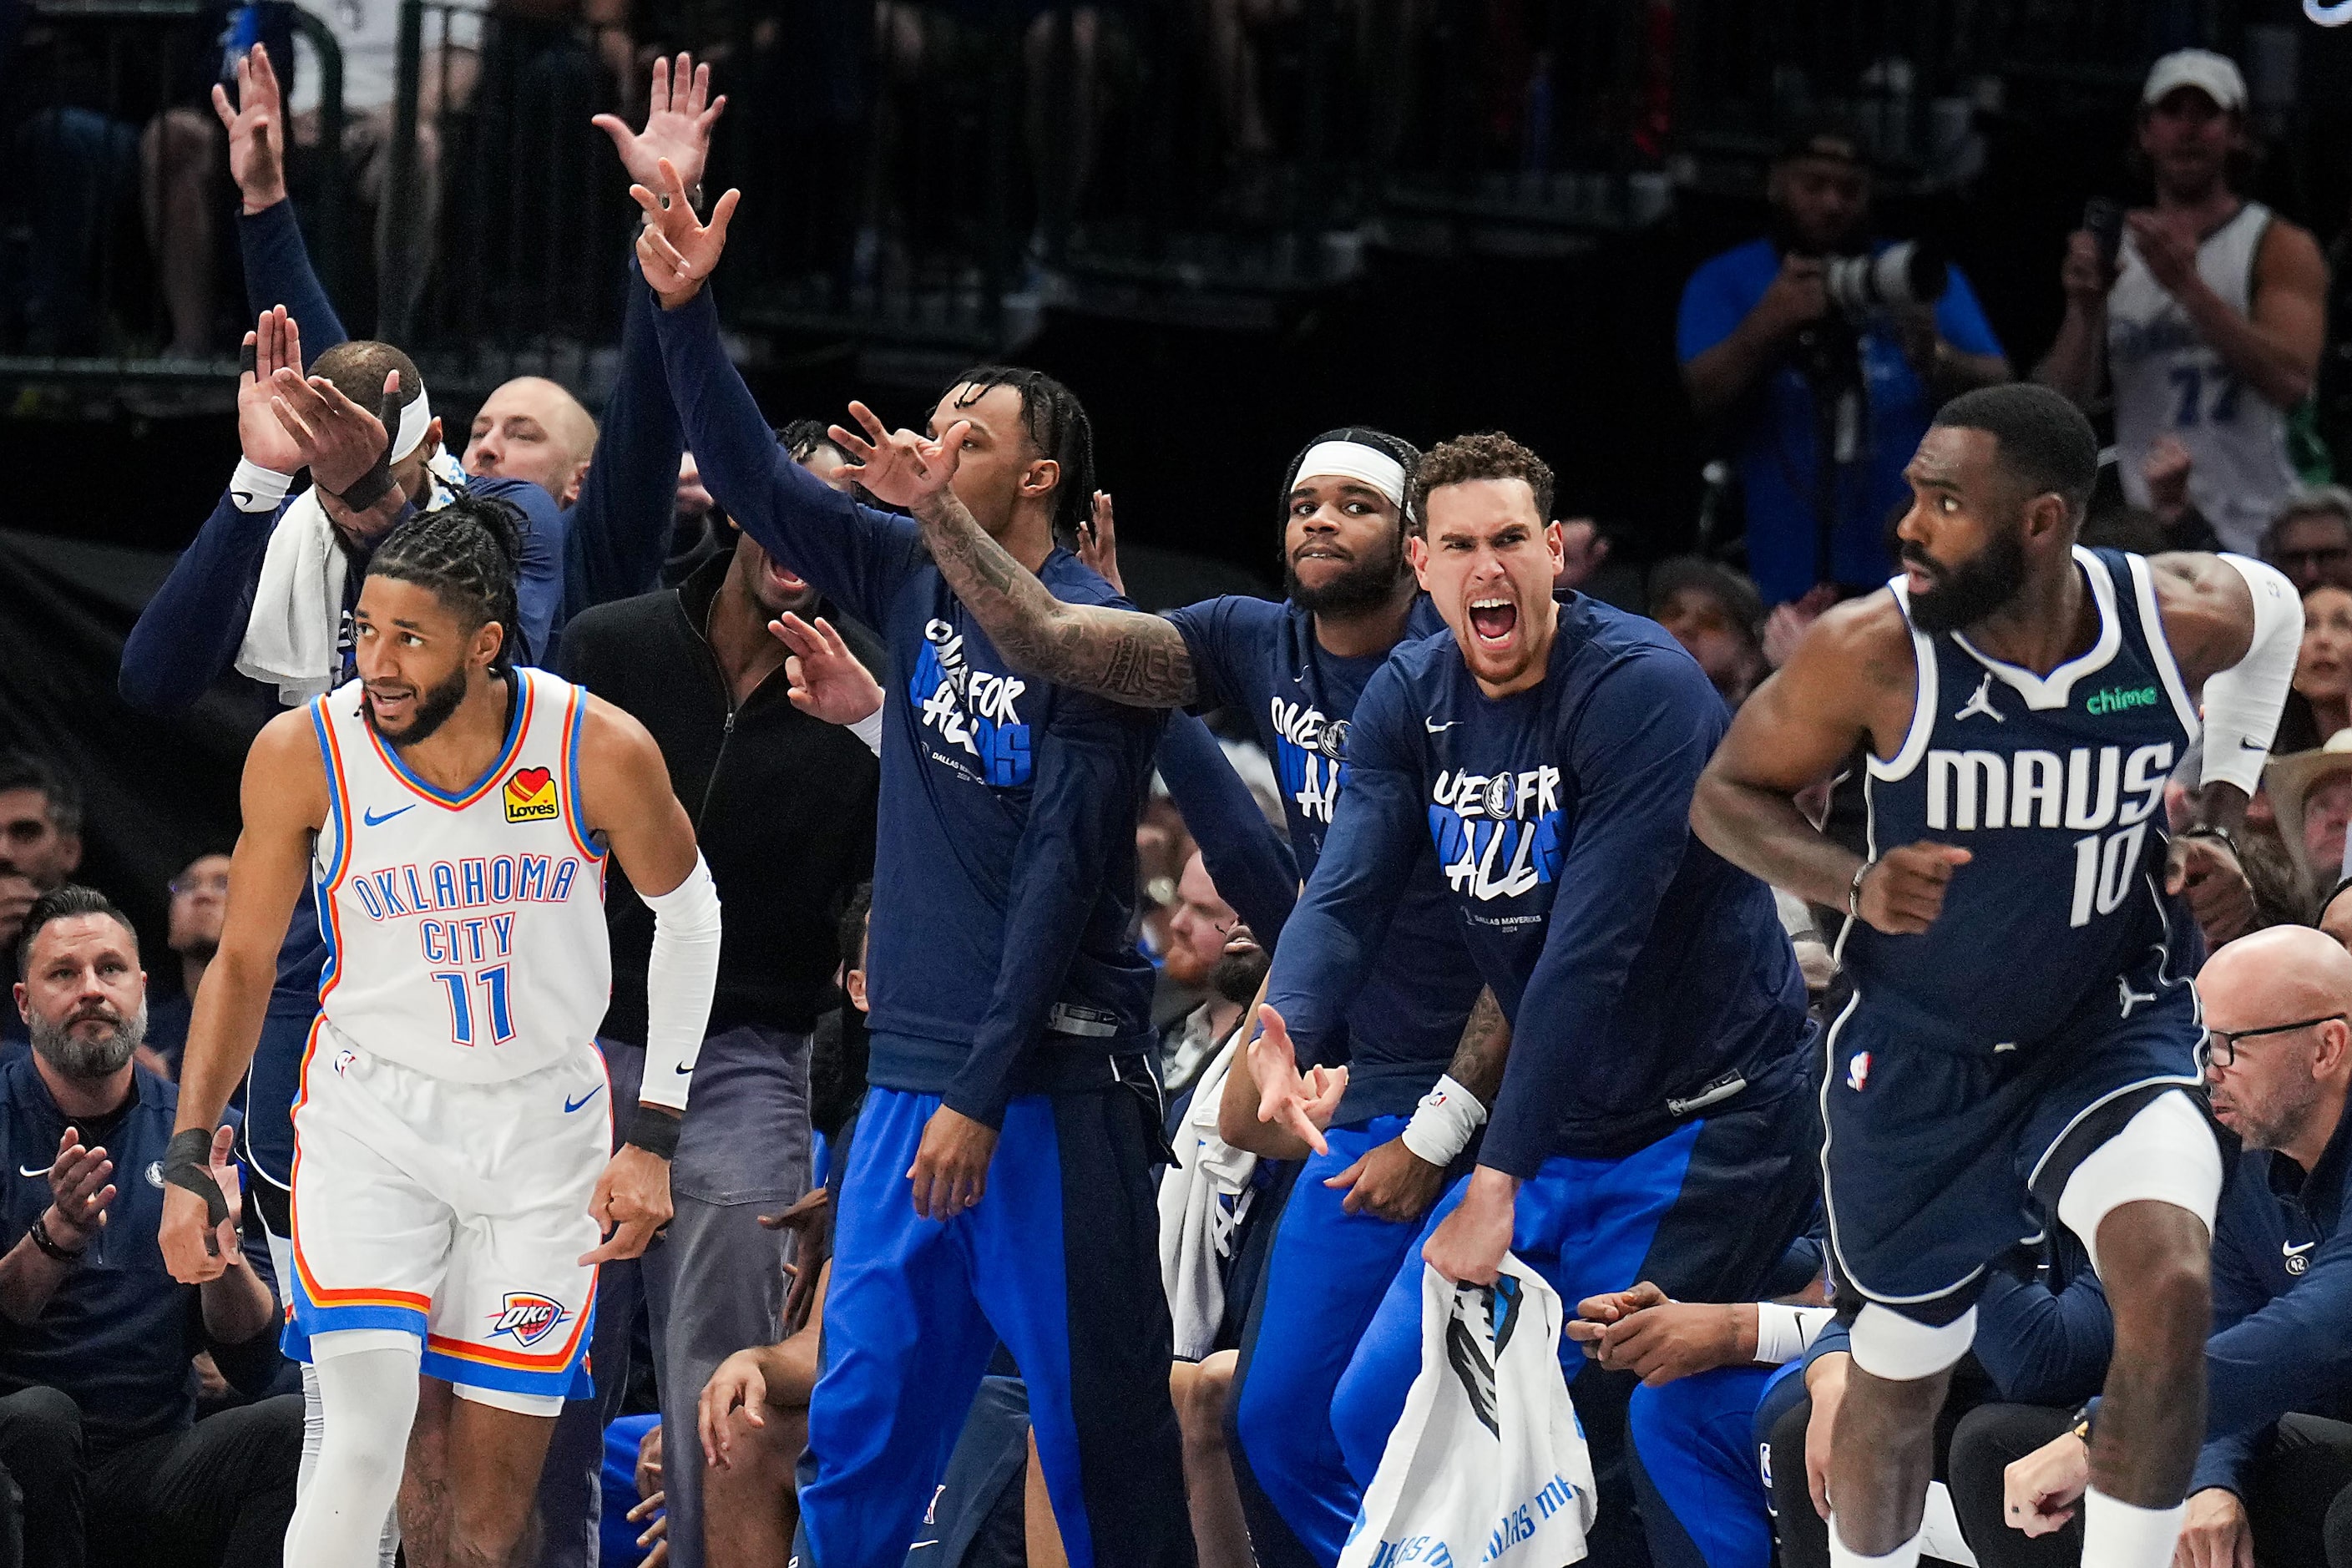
1908 273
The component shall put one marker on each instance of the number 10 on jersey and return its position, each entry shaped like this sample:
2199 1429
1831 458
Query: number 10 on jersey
491 985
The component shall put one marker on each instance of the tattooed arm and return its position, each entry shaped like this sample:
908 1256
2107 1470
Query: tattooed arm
1123 654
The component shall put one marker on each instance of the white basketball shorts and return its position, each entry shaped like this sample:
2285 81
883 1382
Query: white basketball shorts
456 1211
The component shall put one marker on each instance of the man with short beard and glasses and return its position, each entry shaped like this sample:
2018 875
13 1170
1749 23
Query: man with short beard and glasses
2272 1478
98 1422
1294 670
2022 1023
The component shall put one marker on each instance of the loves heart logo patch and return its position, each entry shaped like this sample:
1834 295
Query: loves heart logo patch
530 796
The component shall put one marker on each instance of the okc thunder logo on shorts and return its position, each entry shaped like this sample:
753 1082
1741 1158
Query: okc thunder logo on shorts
530 795
528 1317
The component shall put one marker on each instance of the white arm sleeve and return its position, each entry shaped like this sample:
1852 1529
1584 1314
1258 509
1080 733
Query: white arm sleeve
680 976
2243 703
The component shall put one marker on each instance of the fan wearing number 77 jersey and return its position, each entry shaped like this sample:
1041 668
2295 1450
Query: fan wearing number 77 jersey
2022 1022
450 1184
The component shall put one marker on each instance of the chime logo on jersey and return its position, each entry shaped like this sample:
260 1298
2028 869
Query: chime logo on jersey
1497 834
971 709
527 1318
530 795
1310 753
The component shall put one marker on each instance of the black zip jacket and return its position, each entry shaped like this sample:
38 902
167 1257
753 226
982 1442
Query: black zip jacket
782 805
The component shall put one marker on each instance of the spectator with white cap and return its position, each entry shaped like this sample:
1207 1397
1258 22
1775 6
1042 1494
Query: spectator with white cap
2207 316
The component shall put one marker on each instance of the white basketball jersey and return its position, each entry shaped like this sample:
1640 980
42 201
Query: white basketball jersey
2170 381
465 933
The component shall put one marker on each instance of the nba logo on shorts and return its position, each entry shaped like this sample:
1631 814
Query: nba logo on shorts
530 795
343 1060
528 1317
1857 1071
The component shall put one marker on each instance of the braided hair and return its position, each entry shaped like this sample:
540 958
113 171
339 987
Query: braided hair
469 553
1057 427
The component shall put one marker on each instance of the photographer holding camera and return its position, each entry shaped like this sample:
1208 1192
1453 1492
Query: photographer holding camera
1825 353
2207 311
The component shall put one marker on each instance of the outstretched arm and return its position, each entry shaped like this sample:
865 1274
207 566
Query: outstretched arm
276 264
627 798
1124 655
285 802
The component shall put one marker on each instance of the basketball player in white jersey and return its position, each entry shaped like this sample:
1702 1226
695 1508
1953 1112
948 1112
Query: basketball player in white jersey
2209 316
455 814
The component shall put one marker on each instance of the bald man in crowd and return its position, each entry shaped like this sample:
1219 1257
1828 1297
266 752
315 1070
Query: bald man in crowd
2278 1429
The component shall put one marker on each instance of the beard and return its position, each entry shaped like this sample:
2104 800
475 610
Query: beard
1366 586
1967 593
1235 976
434 707
78 1058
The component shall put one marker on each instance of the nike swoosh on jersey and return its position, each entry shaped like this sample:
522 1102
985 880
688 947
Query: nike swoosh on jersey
571 1105
28 1171
2290 1248
372 820
684 1069
1439 729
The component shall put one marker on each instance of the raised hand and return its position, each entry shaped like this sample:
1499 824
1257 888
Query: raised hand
678 251
256 157
273 343
900 469
678 124
1098 543
824 679
338 440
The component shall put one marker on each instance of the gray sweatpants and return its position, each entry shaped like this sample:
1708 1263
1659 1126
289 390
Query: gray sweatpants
713 1284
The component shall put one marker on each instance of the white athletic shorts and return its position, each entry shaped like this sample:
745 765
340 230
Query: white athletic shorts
456 1211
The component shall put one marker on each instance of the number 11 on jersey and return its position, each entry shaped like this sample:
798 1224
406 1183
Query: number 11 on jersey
492 984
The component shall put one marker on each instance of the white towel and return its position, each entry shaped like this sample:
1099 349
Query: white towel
1203 1202
293 638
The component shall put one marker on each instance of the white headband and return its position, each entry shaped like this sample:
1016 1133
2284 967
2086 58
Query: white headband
413 421
1354 460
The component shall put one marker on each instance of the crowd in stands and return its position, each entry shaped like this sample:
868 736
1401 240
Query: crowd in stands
145 1421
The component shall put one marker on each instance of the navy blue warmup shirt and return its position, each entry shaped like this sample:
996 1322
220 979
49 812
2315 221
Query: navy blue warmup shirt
1261 660
1004 875
2282 1298
1644 976
119 1332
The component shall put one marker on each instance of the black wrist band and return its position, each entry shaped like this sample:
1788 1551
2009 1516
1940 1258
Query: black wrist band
48 1244
187 1163
654 1131
369 487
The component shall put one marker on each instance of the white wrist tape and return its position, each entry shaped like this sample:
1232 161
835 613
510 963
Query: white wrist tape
256 488
1782 1331
1443 1123
869 729
680 976
2243 703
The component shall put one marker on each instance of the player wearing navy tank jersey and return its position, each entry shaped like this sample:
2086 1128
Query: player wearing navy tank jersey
1651 1117
998 1188
2022 1022
1294 670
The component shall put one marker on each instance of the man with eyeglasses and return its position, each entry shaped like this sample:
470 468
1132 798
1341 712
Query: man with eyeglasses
2278 1448
2311 539
199 900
